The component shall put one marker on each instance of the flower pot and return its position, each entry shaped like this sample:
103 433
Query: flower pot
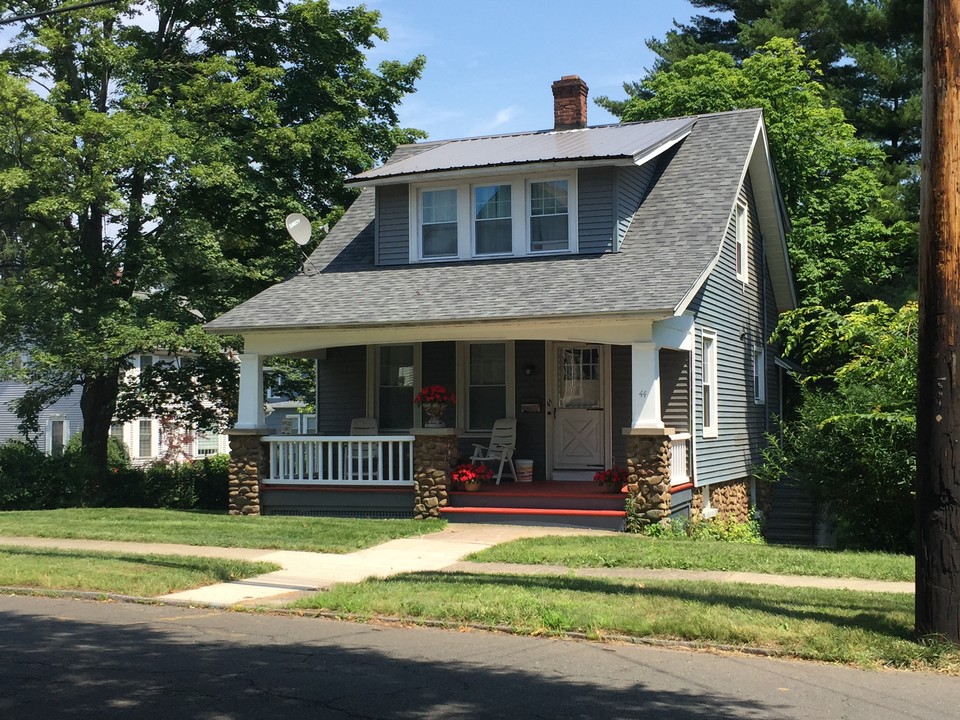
611 487
434 413
471 486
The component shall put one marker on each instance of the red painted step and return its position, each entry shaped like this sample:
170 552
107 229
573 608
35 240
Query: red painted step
533 511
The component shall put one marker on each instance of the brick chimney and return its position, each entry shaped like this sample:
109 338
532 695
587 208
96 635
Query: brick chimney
569 103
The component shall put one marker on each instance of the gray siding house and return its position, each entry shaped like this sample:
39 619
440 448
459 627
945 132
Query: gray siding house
611 288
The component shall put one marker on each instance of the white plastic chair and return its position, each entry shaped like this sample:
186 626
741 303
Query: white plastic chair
503 441
363 456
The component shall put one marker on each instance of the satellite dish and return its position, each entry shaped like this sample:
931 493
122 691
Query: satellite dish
299 228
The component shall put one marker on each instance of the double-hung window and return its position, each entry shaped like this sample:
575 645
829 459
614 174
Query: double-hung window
493 220
438 223
708 383
486 385
549 215
145 438
395 379
759 374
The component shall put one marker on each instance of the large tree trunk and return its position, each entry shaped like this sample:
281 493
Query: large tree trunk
98 402
938 381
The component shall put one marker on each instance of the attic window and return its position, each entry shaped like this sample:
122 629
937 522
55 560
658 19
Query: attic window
741 244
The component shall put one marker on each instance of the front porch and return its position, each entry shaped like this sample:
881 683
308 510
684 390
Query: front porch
580 406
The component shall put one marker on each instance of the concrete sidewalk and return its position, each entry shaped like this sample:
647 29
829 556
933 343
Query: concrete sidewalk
304 573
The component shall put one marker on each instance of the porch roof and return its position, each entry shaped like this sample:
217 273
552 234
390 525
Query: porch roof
668 248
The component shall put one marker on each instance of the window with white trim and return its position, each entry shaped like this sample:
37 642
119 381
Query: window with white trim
395 387
58 433
510 217
708 383
759 374
549 216
486 377
145 438
438 223
741 243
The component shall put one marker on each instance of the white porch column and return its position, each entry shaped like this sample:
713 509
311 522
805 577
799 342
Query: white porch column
645 361
250 410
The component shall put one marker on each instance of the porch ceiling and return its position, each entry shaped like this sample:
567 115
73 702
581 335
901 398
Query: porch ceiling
619 330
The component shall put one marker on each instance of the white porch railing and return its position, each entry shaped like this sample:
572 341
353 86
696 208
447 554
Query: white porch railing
380 460
679 458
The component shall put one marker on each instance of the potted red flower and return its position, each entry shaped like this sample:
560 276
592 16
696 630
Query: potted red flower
612 480
469 476
434 400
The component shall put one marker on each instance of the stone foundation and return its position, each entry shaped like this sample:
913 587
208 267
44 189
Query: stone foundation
648 485
731 500
248 463
434 457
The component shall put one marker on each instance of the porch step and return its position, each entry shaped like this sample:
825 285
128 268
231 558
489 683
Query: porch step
563 517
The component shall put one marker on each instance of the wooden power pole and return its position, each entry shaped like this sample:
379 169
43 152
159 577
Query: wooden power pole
938 381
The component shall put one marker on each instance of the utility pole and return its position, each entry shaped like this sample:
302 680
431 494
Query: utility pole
938 380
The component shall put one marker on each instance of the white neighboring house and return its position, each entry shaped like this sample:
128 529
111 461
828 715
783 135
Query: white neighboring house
145 440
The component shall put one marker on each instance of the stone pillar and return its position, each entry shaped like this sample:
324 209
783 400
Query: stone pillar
731 499
434 457
648 465
249 460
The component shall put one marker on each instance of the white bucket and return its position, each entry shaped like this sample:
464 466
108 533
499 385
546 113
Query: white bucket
524 470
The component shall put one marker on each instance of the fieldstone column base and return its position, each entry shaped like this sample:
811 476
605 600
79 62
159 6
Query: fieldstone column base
730 499
648 484
248 464
434 457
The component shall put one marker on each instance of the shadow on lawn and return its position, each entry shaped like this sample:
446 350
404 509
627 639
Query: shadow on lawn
856 610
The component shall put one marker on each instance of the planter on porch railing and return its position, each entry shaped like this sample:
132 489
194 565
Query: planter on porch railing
350 460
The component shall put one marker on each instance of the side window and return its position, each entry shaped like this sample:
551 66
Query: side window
486 385
58 433
145 438
741 245
708 383
759 374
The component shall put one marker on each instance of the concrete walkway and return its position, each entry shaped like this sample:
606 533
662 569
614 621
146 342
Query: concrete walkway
304 573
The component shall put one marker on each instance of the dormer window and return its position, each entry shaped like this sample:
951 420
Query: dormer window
513 217
549 216
439 223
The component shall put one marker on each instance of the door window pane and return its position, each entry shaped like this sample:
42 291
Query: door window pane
395 393
487 392
549 215
492 223
439 223
579 378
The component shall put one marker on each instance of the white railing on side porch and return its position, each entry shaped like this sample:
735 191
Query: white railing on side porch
679 458
351 460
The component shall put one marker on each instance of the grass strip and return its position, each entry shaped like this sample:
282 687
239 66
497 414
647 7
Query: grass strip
633 551
864 629
121 573
328 535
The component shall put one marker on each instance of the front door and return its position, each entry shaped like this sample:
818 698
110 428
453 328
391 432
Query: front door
579 419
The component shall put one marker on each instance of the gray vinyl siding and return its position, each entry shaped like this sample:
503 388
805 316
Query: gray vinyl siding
735 312
595 210
631 186
531 427
341 389
393 225
68 407
675 389
621 410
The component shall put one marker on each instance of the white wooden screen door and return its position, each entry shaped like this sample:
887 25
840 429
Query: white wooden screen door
580 418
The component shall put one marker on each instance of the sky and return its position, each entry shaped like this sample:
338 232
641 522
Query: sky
490 64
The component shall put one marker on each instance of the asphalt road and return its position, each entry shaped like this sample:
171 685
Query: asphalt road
83 659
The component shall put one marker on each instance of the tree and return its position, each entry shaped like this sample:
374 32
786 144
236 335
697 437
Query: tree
844 246
145 174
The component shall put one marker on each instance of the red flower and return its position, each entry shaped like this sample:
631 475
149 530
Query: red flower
471 473
435 395
613 476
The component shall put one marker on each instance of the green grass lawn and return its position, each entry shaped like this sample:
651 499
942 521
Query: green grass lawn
633 551
126 574
330 535
866 629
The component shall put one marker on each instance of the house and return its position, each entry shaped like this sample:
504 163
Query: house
612 288
147 439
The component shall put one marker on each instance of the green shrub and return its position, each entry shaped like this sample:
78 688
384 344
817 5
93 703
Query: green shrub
724 529
32 480
117 454
181 486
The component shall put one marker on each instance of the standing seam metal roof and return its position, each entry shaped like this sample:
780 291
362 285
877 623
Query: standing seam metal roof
673 237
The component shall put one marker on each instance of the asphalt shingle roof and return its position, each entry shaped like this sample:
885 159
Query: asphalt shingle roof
672 239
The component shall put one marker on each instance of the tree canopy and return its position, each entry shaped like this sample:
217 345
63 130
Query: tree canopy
148 155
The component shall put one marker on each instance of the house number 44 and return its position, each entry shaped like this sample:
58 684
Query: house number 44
642 393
